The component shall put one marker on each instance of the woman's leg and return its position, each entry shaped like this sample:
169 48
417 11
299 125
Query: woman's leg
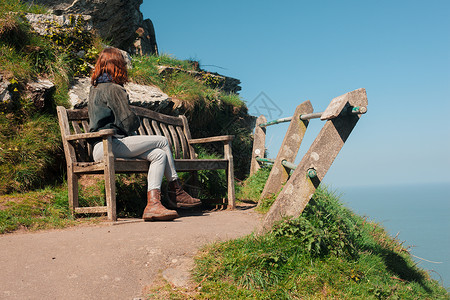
144 147
152 148
149 149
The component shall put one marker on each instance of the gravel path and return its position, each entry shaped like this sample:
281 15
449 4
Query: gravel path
112 262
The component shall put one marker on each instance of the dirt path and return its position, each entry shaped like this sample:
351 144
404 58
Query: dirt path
111 262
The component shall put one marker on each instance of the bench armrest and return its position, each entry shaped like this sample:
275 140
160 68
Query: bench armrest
222 138
91 135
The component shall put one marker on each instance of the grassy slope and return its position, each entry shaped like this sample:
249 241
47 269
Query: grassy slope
327 253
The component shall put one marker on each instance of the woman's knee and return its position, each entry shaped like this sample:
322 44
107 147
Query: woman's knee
157 155
163 141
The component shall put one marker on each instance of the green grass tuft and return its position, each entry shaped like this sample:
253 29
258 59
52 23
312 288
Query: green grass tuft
42 209
29 153
252 187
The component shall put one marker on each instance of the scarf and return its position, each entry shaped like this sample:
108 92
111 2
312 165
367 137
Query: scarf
105 77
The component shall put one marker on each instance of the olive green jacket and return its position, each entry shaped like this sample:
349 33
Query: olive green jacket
109 108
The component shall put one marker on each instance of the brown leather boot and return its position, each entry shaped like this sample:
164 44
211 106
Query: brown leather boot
155 211
178 198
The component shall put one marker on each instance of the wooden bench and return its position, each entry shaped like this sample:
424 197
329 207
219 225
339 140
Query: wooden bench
74 125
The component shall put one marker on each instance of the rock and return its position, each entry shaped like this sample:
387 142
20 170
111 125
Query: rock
146 96
179 274
5 95
41 93
140 95
118 21
79 92
43 24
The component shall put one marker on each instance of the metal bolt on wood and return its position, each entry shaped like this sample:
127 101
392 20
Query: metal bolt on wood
288 164
311 173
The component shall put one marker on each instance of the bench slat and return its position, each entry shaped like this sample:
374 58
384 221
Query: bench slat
91 210
77 114
184 144
143 112
147 126
141 130
166 134
156 128
85 125
76 127
176 143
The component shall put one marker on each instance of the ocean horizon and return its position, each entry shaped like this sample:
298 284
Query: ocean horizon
418 214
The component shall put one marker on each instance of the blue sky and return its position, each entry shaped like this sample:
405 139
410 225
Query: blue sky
293 51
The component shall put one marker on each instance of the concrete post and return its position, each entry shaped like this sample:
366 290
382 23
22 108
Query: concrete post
300 187
288 150
259 148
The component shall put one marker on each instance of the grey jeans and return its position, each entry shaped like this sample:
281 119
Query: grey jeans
153 148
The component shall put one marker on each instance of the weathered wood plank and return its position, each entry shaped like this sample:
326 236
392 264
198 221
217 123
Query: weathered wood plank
147 113
184 144
85 125
76 127
187 134
90 135
230 176
175 140
184 165
155 126
110 180
91 210
141 129
166 134
148 127
222 138
77 114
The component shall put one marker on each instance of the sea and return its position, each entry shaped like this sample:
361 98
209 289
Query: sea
418 214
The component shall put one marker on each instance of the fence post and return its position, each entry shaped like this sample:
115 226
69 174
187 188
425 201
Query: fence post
288 151
309 173
259 148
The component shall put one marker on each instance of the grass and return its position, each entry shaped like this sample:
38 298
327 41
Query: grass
178 84
41 209
29 152
7 6
252 187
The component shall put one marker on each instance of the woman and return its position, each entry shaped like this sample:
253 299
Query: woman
109 108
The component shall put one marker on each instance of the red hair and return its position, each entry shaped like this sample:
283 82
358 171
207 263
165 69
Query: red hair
110 61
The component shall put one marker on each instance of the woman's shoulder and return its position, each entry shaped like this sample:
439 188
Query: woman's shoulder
109 86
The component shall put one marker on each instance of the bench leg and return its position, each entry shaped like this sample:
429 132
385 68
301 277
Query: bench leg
110 193
72 186
230 177
110 179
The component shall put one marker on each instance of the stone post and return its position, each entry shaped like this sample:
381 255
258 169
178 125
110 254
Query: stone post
300 187
288 151
259 140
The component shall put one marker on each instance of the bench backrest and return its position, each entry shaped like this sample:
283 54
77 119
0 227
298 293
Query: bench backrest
175 129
